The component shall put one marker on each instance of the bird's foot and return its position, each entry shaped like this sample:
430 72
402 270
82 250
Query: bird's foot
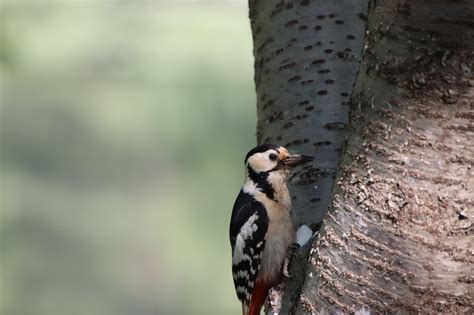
286 263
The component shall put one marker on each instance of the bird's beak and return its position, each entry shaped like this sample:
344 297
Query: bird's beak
297 159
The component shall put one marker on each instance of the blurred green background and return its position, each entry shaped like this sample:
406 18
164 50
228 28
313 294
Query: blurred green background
124 126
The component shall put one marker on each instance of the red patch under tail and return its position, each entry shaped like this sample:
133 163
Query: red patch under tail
259 295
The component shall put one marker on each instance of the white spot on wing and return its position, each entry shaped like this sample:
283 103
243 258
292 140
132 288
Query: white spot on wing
241 274
250 188
241 289
246 231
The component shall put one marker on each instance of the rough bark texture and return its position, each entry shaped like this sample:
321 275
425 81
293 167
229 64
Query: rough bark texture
399 234
306 59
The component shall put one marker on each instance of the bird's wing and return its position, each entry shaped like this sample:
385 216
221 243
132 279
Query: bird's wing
249 226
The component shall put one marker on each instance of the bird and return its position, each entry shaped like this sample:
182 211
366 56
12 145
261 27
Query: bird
261 228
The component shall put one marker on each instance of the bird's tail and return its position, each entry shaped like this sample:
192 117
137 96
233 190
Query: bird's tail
245 308
259 295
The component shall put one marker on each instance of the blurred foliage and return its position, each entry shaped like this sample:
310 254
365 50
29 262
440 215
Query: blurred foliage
123 130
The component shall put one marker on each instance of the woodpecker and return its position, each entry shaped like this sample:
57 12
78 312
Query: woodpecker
261 229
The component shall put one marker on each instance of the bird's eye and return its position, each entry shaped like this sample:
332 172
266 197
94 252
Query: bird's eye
273 156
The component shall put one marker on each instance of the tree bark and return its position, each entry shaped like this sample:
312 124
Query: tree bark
306 60
398 235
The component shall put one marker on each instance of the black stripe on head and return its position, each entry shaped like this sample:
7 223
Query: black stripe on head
260 179
261 148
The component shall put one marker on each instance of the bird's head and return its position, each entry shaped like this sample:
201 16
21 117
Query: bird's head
270 158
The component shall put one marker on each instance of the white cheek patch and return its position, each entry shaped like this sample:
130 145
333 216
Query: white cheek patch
259 162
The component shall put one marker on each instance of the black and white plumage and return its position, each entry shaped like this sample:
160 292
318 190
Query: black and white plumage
247 235
261 228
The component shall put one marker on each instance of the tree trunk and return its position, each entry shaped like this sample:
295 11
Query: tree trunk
306 60
398 235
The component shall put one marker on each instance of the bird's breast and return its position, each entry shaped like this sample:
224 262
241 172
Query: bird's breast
280 235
